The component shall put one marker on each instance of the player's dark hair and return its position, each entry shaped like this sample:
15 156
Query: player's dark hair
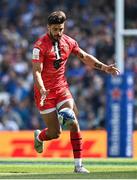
57 17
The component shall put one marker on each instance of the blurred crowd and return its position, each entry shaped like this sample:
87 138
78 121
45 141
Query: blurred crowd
92 24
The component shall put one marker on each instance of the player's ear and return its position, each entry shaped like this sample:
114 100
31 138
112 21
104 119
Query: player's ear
48 27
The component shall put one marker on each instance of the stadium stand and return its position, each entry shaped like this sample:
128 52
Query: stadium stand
92 24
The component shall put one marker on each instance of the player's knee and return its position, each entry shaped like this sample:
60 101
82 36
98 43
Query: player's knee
74 126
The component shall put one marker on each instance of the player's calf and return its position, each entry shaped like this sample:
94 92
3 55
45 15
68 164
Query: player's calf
53 134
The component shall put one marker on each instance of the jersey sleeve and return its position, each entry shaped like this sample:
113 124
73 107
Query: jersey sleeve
37 53
75 47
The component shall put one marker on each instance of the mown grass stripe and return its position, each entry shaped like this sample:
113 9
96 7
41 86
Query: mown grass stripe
66 163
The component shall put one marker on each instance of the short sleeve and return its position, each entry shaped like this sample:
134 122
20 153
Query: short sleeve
75 48
37 53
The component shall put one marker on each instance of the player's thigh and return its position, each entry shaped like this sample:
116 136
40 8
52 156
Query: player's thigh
70 104
51 121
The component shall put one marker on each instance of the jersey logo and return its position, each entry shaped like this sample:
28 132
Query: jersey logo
66 48
36 54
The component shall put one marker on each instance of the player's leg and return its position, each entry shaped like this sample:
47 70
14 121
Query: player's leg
52 131
49 115
75 135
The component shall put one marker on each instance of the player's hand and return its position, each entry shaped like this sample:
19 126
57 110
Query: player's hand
44 94
111 69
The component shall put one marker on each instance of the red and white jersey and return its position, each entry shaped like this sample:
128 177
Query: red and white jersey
54 56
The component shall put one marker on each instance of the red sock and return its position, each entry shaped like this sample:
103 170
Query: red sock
76 141
42 136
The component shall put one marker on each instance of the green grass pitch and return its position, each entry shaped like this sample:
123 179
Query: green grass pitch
35 168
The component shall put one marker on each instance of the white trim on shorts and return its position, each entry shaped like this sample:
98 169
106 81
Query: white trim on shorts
46 111
63 102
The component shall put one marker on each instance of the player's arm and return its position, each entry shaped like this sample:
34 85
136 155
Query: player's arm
96 64
37 67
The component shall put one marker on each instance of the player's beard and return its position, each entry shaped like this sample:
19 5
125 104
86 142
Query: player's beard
54 37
